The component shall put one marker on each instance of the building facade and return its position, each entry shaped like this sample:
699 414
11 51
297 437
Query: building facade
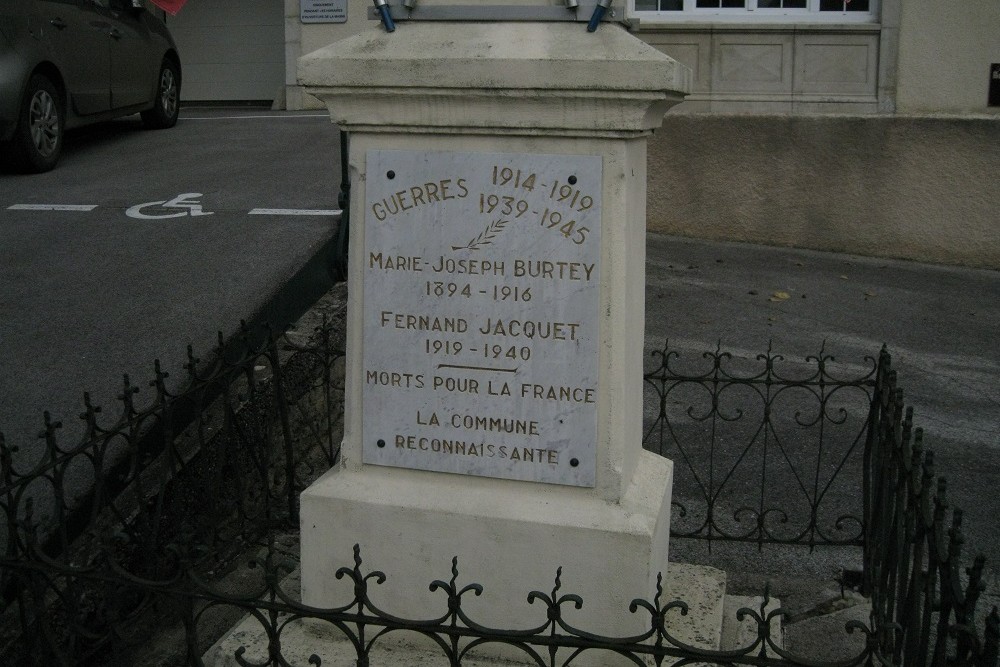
851 125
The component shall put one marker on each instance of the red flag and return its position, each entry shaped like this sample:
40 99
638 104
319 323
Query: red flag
170 6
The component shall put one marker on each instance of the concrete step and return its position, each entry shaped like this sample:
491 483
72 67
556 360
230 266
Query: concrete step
817 632
711 623
825 634
704 589
739 634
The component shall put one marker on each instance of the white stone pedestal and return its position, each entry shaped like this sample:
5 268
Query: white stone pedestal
574 108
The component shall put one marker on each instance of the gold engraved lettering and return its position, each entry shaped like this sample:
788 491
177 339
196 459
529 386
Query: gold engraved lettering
539 268
530 329
446 446
547 392
494 424
472 267
501 389
419 195
394 262
423 322
428 421
401 197
432 192
394 379
446 184
459 385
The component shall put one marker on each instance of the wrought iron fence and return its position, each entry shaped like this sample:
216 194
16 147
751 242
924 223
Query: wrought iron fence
924 601
765 449
190 488
178 487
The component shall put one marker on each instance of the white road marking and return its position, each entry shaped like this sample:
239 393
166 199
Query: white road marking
179 202
52 207
185 201
287 116
294 211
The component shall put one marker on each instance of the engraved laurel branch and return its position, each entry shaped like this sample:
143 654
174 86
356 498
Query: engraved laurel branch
484 238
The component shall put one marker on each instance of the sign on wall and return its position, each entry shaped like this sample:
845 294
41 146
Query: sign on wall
481 303
323 11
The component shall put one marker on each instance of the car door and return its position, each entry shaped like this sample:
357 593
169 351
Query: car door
135 59
80 50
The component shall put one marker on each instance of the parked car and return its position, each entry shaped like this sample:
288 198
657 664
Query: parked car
66 63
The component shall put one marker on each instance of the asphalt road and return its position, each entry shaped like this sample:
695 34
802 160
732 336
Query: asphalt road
940 323
107 282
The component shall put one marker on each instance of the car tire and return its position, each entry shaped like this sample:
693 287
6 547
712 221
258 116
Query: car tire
166 106
38 138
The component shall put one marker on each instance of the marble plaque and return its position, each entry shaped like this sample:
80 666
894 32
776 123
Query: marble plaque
481 303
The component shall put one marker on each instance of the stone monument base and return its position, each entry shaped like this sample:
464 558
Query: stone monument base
710 624
510 143
508 536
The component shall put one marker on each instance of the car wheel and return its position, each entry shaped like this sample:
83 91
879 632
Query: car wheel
166 107
38 138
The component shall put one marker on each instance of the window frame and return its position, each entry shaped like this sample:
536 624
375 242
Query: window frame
751 13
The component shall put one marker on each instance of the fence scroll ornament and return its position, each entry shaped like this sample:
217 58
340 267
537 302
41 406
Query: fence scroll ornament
552 641
766 450
204 480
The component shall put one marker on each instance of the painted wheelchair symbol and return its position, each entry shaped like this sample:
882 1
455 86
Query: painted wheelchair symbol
187 202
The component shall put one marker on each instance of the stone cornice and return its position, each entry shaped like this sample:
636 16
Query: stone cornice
523 112
523 78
